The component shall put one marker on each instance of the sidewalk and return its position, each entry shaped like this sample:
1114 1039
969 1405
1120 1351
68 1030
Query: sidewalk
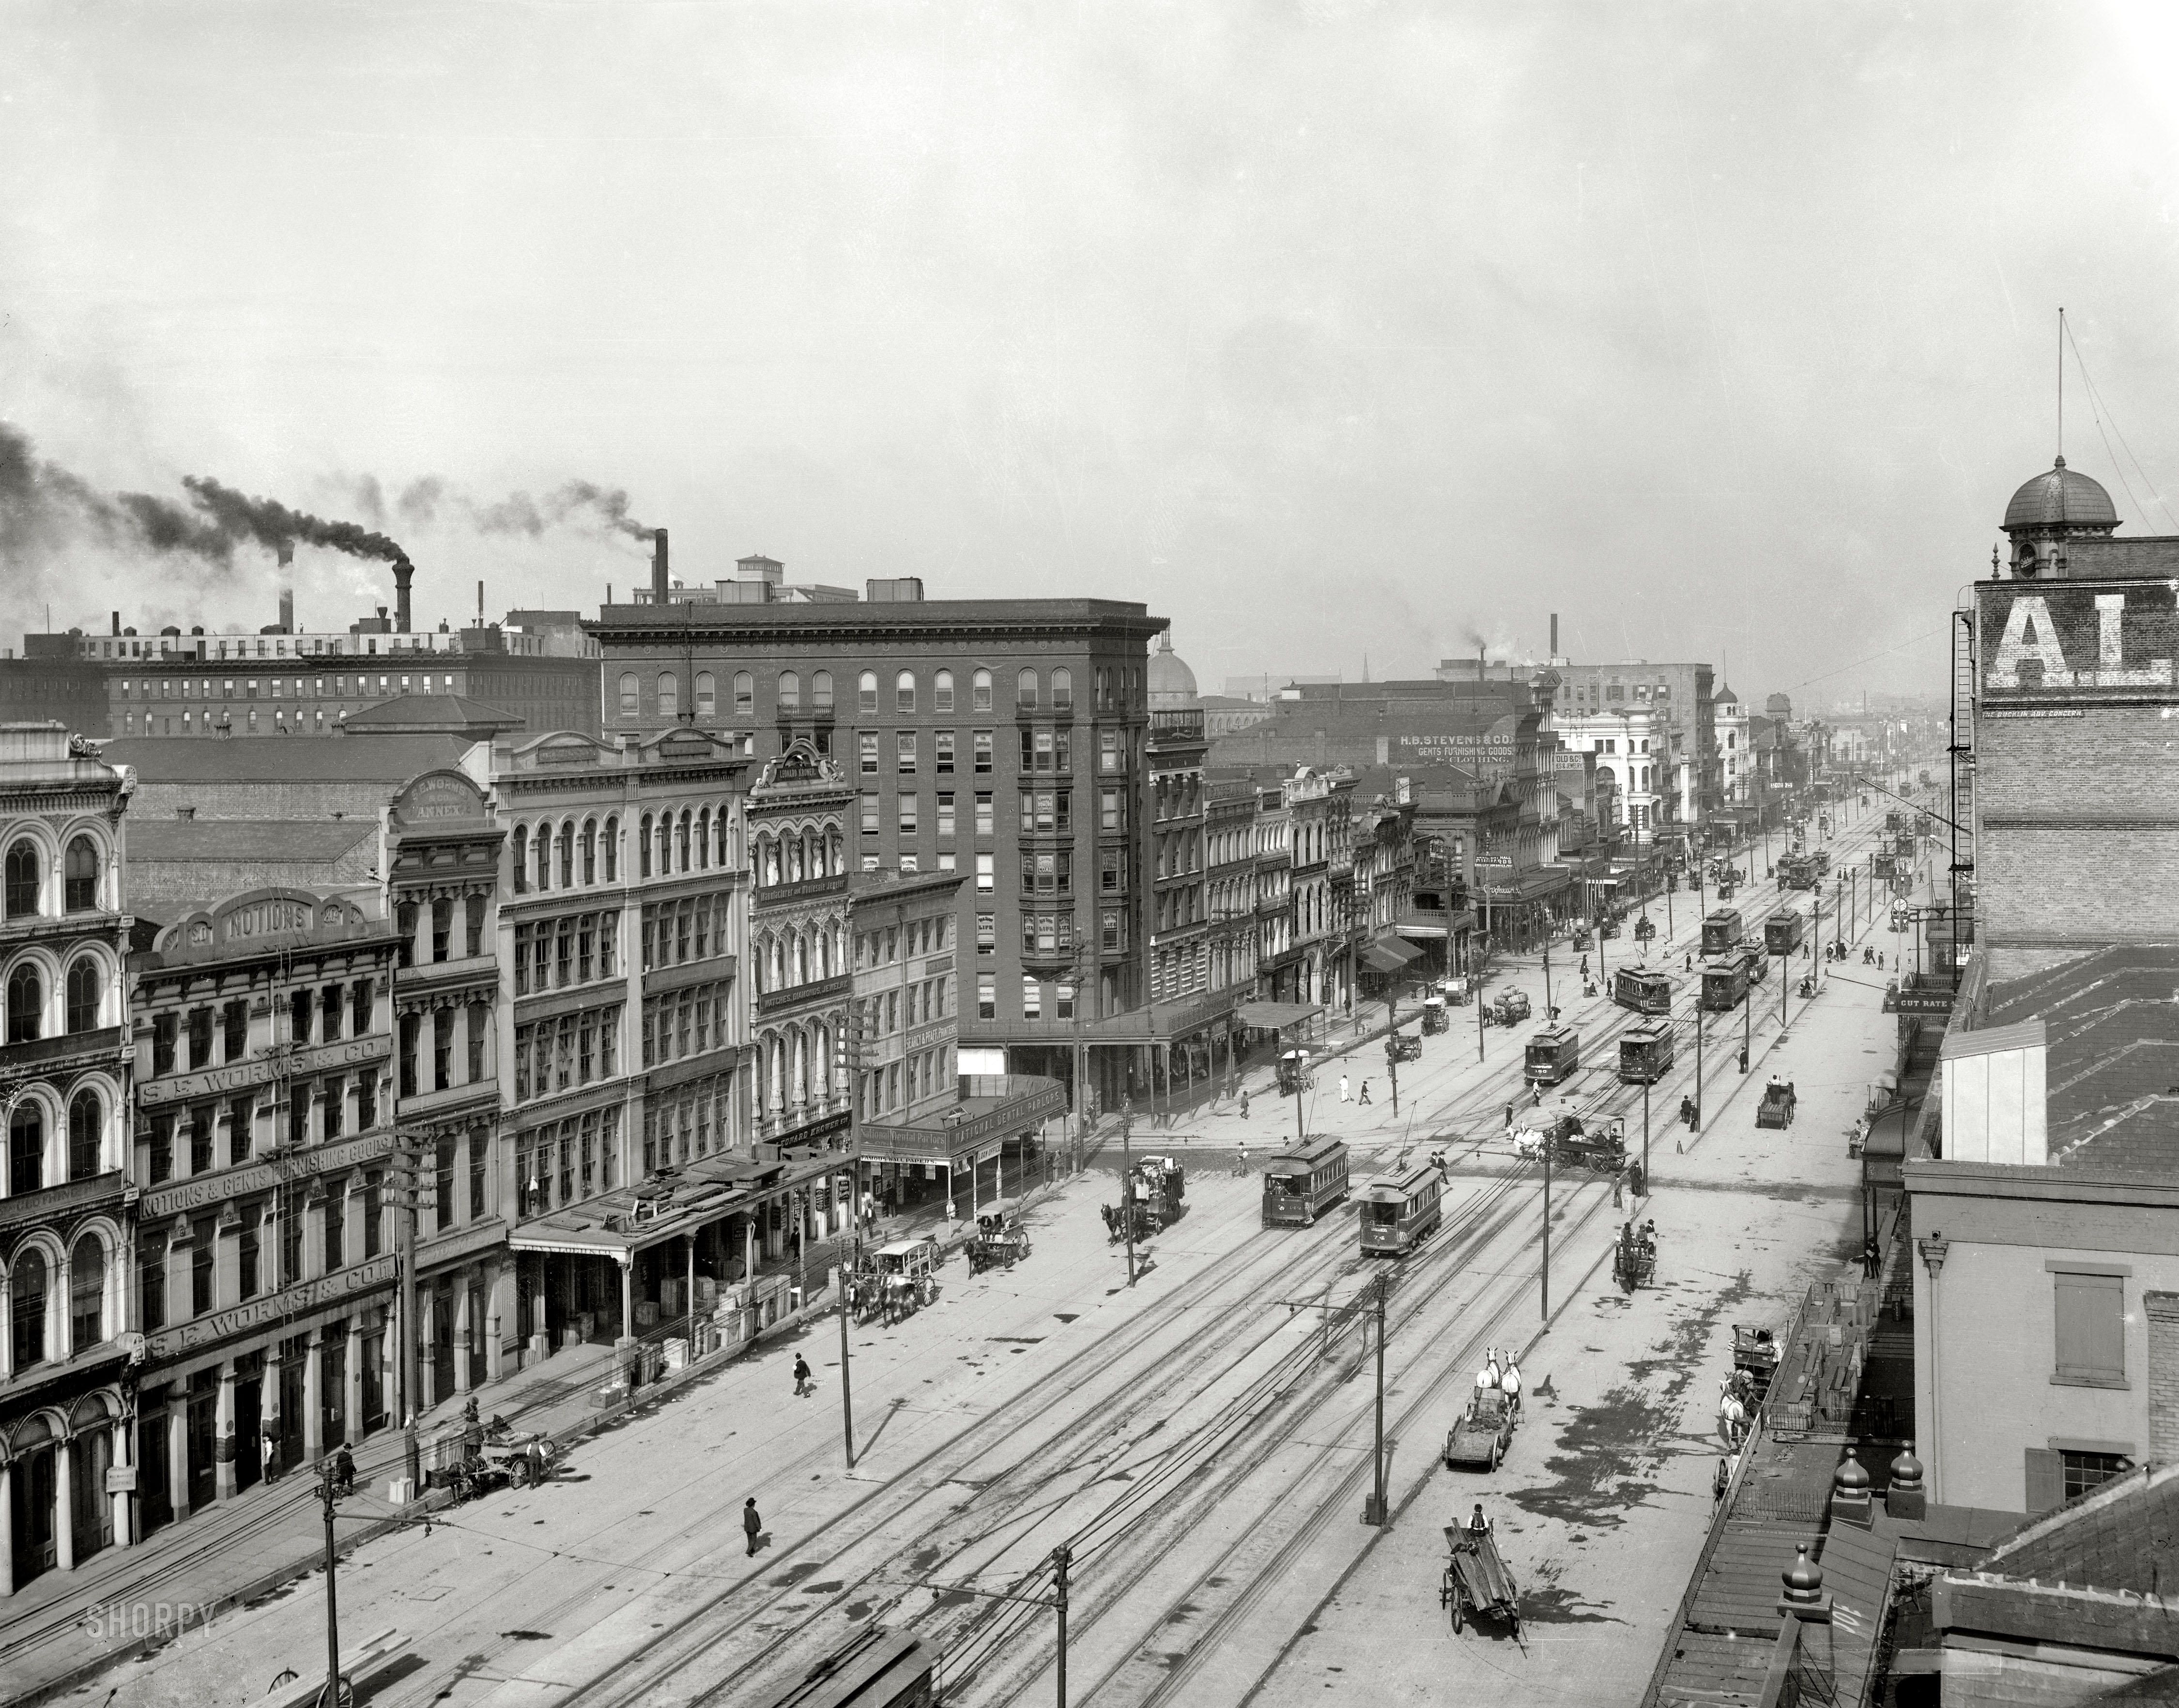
66 1628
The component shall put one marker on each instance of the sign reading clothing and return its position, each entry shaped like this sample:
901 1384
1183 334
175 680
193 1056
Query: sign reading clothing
2044 641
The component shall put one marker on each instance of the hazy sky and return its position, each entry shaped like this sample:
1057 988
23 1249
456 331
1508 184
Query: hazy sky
1328 329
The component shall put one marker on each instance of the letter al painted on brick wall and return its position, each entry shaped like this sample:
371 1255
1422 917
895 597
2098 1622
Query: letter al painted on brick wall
2078 640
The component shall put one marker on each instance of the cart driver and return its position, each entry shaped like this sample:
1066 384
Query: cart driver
1479 1525
1649 1238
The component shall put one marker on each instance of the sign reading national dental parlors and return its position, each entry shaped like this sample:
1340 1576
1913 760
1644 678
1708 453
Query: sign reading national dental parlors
2059 642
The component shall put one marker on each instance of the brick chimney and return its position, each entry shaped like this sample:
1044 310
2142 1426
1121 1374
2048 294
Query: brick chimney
403 572
659 585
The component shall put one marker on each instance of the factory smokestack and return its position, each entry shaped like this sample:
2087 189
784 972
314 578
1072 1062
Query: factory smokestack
658 581
403 572
117 622
287 611
1555 634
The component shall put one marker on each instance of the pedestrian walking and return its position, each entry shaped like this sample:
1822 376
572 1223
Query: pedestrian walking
1691 963
268 1458
1585 966
1244 1106
803 1385
1536 1095
1744 1057
1365 1093
1872 1258
1509 1118
344 1471
1343 1088
1618 1190
532 1461
752 1526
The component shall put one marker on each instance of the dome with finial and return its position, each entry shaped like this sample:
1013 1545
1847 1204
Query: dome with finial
2061 497
1171 683
1907 1470
1851 1477
1804 1579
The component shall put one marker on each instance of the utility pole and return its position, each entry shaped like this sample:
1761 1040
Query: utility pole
1127 1186
1551 1144
408 1189
331 1696
1377 1514
1477 980
1695 1126
852 1053
1547 971
1062 1556
1392 1067
1645 1133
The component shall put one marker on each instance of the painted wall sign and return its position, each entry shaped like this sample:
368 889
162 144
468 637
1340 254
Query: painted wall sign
263 919
440 797
2061 640
289 1301
161 1202
212 1081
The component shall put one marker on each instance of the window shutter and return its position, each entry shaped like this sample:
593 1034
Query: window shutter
2046 1479
2091 1330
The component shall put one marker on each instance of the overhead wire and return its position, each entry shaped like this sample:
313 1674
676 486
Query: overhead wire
2099 410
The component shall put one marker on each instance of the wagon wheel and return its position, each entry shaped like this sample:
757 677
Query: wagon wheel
1497 1452
1445 1588
1459 1613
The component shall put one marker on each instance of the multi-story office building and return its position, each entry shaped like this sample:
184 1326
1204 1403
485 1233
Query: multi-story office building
1636 771
1229 840
957 722
66 1252
265 1246
623 898
797 939
1279 955
1180 948
1683 740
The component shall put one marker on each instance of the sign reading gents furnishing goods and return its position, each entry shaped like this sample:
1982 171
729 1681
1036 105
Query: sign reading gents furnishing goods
2055 641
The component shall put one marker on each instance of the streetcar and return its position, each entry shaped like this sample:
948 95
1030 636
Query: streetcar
1887 865
875 1668
1643 990
1797 872
1646 1051
1722 931
1399 1211
1781 933
1821 860
1894 822
1554 1054
1300 1184
1724 981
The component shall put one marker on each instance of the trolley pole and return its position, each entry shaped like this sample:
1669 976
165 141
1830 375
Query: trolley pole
1061 1556
1127 1186
1392 1067
1479 1015
1747 1026
1695 1125
1645 1132
1547 973
332 1696
846 1403
1377 1515
1551 1144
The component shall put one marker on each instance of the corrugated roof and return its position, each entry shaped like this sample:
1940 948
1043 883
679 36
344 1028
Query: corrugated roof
293 759
241 839
2123 1536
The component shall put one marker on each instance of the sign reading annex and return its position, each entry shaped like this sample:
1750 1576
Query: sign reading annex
2050 642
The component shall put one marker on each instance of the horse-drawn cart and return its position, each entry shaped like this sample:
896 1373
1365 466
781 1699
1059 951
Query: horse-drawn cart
1635 1257
1776 1109
1000 1242
1755 1356
1476 1580
1480 1439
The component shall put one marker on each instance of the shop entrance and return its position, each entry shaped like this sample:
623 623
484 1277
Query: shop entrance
37 1487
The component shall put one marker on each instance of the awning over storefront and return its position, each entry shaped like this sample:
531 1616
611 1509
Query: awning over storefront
668 1205
1276 1016
1532 885
998 1107
1390 954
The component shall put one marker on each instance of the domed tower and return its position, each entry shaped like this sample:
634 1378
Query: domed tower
2060 504
1171 683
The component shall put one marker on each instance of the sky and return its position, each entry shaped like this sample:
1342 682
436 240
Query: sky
1340 334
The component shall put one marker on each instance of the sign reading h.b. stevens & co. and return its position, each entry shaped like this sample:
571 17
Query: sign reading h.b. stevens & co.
2051 642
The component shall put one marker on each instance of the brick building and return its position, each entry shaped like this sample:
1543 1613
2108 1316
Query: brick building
1678 697
67 1399
953 719
266 1266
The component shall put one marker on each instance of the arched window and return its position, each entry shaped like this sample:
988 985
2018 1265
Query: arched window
643 847
942 691
821 689
1025 691
866 692
612 851
567 849
631 695
84 1124
1062 690
669 695
1104 692
590 851
704 840
86 1293
745 691
541 854
22 879
681 843
707 695
979 690
665 856
81 872
27 1285
27 1004
904 691
26 1148
83 987
802 960
720 852
521 859
790 691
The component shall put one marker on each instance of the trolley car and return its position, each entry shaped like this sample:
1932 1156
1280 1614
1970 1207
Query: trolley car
1781 933
1821 860
1724 981
1399 1211
875 1668
1302 1184
1797 872
1887 865
1644 989
1646 1051
1722 931
1554 1054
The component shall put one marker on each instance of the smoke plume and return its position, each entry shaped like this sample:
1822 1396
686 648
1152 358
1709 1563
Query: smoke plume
577 501
273 524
